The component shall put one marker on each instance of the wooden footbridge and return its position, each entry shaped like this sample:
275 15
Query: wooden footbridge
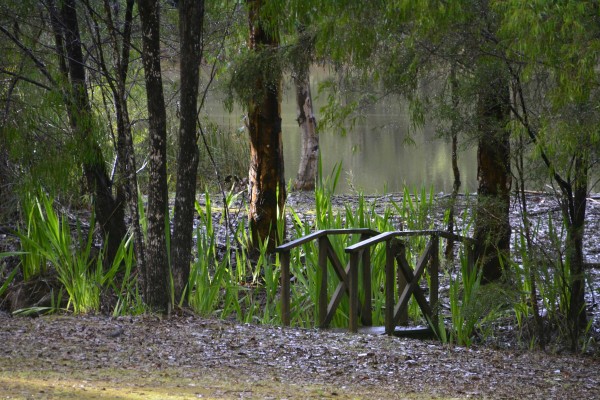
407 278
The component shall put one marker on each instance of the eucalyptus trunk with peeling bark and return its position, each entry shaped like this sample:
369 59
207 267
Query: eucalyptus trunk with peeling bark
492 225
266 174
307 170
191 17
309 152
109 212
156 276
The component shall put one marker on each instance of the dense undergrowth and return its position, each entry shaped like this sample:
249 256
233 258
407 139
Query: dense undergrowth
226 282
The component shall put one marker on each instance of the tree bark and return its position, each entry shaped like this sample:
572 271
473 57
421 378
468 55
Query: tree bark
109 212
266 175
492 225
449 252
191 17
574 213
156 275
307 170
127 166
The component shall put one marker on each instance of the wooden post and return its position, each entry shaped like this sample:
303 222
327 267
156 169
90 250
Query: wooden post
367 312
323 299
284 257
353 289
400 250
389 287
434 267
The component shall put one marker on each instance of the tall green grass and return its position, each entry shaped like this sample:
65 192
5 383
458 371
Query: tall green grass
48 241
228 283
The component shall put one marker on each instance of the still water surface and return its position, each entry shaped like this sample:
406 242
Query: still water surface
374 154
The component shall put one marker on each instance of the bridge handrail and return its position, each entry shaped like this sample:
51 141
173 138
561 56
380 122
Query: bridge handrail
315 235
354 251
385 236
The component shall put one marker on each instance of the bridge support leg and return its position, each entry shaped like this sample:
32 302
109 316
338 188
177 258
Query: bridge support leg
323 301
434 283
366 313
400 255
284 257
389 288
353 286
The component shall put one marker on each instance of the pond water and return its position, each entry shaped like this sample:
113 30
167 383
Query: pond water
374 152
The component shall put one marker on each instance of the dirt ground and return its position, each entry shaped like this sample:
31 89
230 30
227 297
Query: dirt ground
191 357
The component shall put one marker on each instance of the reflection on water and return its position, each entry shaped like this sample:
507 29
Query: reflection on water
374 154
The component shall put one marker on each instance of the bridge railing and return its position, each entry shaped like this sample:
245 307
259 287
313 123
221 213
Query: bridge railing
326 307
395 250
395 253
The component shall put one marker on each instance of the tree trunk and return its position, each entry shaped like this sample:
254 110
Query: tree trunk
266 177
125 150
492 225
157 274
449 252
109 212
307 170
574 213
191 17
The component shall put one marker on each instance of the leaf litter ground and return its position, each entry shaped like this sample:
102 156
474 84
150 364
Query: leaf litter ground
191 357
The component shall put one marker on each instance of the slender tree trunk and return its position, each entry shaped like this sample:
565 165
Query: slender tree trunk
307 170
449 252
125 149
492 225
191 17
574 213
109 212
157 274
266 175
309 153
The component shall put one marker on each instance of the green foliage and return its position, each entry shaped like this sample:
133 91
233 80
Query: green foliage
555 47
230 282
562 35
38 142
48 241
203 290
252 75
33 262
474 308
462 308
